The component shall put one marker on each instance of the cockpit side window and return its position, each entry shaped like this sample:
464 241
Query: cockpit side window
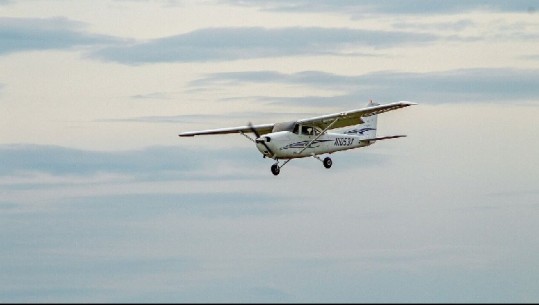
307 130
310 130
296 129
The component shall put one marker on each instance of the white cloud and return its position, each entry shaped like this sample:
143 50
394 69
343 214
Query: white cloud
225 44
447 214
458 86
152 163
31 34
415 7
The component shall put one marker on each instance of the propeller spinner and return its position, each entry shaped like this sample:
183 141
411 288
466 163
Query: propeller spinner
259 139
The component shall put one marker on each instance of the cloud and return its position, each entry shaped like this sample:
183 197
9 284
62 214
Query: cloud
533 57
311 78
211 203
31 167
414 7
218 44
129 239
187 118
151 96
453 26
58 160
208 118
39 164
30 34
463 85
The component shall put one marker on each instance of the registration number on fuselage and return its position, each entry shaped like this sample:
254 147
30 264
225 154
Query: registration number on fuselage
343 141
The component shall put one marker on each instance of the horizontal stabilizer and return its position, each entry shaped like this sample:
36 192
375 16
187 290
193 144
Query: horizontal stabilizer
385 138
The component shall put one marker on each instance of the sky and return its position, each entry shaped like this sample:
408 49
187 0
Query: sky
101 201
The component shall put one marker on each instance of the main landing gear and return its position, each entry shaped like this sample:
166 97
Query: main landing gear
276 169
327 162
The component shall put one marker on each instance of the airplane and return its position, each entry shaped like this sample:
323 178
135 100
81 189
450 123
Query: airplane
310 137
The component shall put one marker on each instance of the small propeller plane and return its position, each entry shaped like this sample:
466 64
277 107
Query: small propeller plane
310 137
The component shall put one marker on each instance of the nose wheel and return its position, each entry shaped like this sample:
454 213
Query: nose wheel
275 169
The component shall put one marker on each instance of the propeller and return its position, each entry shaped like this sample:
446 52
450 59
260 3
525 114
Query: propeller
253 129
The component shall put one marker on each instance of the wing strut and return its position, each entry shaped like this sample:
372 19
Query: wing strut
318 136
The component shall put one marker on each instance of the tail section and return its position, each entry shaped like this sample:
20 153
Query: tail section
367 129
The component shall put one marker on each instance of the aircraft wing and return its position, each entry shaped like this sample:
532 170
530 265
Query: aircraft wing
352 117
261 129
346 118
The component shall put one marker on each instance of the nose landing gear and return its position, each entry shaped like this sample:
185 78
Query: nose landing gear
275 169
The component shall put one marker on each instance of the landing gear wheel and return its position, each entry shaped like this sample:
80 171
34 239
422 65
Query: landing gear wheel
327 162
275 169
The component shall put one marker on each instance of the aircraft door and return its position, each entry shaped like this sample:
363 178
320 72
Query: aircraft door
308 133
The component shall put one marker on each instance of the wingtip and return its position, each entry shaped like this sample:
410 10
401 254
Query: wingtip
408 103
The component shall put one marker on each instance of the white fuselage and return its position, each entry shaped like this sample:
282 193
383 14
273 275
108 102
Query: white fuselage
289 145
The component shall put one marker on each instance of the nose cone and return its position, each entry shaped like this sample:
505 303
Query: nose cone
263 146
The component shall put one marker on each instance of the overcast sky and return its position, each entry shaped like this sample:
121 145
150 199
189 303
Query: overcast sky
101 201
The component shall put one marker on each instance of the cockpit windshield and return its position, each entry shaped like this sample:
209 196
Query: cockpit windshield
284 126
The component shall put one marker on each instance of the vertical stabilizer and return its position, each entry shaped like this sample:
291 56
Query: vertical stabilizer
367 129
